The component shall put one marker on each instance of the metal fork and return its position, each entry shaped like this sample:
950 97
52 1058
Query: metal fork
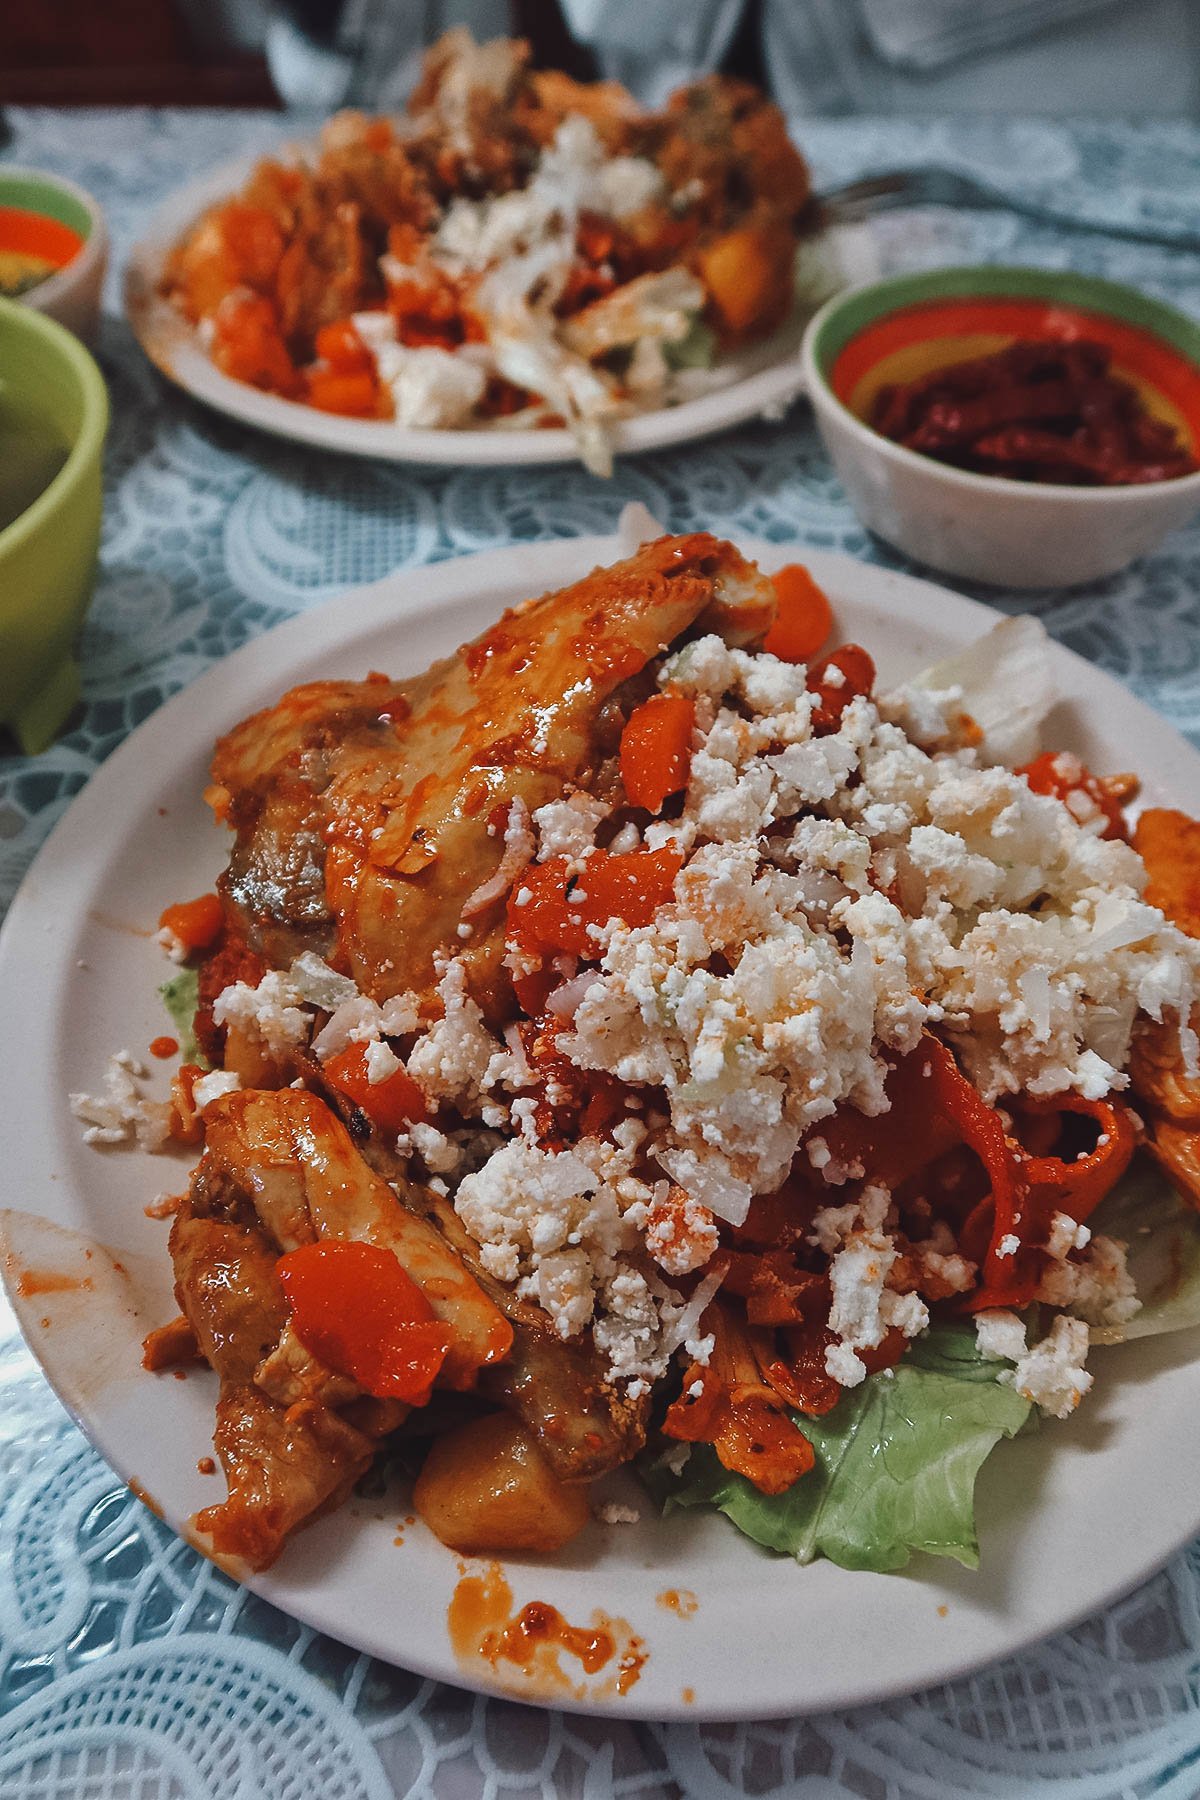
947 187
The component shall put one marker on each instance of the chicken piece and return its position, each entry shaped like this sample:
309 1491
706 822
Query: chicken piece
393 790
549 96
726 140
1168 1095
282 1466
1168 842
269 774
288 1158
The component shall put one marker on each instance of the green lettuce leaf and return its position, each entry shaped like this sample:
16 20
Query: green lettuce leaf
697 350
1162 1233
896 1462
181 996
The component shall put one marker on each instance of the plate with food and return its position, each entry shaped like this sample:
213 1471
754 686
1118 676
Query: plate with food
678 1127
520 268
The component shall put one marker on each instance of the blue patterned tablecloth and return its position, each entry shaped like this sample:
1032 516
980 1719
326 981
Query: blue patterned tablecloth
130 1669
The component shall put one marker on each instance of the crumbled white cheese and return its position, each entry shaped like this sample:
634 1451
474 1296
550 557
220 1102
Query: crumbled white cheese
1051 1373
864 1308
1000 1335
271 1012
213 1086
381 1062
170 942
457 1058
680 1234
1066 1235
1097 1287
440 1155
568 827
113 1115
612 1512
820 972
359 1020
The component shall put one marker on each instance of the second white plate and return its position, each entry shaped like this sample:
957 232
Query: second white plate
764 378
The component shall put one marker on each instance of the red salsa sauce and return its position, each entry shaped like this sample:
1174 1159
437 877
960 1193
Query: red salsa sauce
1039 411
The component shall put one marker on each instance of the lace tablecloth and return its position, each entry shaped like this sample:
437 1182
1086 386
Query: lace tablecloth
130 1669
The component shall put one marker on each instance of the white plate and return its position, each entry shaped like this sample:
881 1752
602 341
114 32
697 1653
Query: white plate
1070 1517
766 377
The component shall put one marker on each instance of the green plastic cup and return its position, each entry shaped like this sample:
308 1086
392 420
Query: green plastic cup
48 553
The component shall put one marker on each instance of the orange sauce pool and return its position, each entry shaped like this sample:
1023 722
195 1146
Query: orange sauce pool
484 1625
163 1047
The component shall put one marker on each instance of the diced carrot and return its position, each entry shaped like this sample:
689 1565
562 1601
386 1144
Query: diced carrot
340 346
390 1104
196 923
353 395
804 617
562 906
656 749
355 1307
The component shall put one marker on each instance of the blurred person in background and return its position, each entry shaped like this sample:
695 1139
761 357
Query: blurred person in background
1130 57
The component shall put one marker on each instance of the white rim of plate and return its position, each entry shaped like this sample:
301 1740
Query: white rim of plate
807 1639
772 376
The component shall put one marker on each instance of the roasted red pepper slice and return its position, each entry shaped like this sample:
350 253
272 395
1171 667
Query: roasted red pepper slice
360 1314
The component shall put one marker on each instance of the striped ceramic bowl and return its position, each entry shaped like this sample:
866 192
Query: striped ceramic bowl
53 247
986 527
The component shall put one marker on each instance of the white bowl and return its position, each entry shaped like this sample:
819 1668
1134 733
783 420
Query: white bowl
1015 534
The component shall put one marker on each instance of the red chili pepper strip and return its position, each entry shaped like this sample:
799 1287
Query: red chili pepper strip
656 749
358 1312
739 1412
562 905
933 1108
1051 1186
1040 410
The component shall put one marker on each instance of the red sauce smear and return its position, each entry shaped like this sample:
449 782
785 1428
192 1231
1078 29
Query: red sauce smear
163 1047
50 1281
678 1600
483 1624
1036 411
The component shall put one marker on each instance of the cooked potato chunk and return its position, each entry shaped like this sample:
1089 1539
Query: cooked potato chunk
487 1487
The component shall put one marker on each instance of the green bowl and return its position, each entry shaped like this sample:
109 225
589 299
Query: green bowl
48 553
